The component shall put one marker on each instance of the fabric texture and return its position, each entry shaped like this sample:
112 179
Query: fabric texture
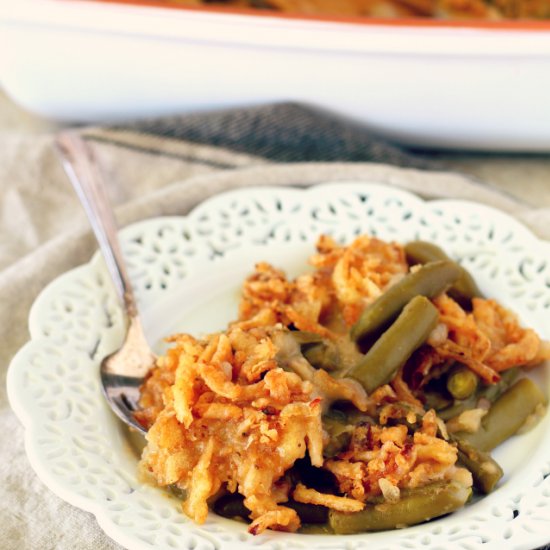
285 132
166 167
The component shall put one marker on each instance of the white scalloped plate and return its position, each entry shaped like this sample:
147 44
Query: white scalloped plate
187 272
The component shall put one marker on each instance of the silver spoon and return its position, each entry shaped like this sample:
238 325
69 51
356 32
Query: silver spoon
122 372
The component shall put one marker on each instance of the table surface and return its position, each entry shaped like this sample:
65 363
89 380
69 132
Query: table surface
521 175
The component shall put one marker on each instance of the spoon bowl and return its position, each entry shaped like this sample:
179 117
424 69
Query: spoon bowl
123 372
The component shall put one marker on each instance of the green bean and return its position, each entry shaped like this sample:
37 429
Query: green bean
176 491
355 417
486 472
323 355
316 529
338 415
430 280
463 289
309 513
339 435
435 400
490 392
232 506
315 478
423 252
462 382
414 506
459 406
493 391
304 337
347 414
506 416
409 331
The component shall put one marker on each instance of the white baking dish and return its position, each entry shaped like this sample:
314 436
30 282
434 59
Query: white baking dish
476 87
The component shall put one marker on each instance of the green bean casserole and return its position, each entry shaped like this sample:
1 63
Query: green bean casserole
364 395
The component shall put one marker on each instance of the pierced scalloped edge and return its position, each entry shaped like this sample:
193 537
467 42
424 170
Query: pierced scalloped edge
138 516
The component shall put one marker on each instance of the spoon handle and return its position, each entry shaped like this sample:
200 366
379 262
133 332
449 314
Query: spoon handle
83 172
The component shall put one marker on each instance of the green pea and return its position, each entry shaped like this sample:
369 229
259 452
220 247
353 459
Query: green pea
462 382
490 392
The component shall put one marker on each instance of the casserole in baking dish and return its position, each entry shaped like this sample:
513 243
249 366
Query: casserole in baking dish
475 84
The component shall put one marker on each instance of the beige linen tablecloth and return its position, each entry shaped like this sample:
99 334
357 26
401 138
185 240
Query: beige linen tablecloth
43 232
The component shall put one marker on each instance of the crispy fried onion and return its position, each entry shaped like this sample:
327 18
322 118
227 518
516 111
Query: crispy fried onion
511 344
380 458
360 271
267 295
233 416
488 340
346 279
311 496
155 388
